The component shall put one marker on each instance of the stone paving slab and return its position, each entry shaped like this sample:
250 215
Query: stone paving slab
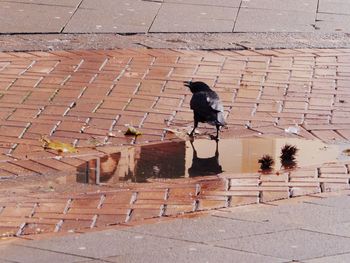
85 245
141 16
288 5
303 215
174 240
341 7
195 252
335 22
177 18
34 18
113 16
340 229
217 228
223 3
291 245
30 255
331 259
120 246
70 3
259 20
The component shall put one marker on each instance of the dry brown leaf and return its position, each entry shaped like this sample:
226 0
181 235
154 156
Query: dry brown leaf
57 145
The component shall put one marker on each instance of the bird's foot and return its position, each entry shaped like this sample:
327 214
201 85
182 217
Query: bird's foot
192 133
191 136
216 138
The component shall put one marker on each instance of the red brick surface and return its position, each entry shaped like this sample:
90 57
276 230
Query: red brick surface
87 97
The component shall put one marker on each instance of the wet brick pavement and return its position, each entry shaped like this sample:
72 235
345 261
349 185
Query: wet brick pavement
44 213
84 97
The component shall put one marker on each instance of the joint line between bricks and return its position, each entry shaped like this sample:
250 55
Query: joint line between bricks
70 18
155 17
63 253
235 20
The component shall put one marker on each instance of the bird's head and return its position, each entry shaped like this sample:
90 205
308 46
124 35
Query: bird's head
197 86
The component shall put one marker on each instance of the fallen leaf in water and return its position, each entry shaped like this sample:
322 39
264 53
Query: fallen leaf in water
111 134
293 129
95 142
57 145
347 151
182 134
132 131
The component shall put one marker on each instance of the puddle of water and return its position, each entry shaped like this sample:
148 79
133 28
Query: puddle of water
202 157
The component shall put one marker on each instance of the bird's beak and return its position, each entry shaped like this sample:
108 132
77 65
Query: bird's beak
187 83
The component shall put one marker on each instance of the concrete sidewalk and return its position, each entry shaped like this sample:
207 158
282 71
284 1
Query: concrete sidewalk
150 16
312 229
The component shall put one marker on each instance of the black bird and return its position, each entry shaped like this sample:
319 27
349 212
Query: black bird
206 106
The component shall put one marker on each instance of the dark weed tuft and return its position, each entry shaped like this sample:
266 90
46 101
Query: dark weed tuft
287 157
266 163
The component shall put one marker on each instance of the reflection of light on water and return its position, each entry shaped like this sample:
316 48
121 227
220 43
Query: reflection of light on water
203 157
242 155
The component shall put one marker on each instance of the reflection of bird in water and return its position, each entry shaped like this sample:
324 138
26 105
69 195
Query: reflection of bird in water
205 166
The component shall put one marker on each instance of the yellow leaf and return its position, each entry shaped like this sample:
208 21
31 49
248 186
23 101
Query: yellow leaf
132 131
57 145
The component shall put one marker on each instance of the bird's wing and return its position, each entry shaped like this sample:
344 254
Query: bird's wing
215 102
208 107
200 102
206 100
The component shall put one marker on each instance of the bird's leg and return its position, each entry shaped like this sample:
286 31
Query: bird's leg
194 151
217 149
194 128
216 138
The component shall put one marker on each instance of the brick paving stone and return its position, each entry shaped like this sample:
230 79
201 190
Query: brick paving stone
333 168
6 231
72 225
105 220
330 187
179 209
211 204
60 216
151 195
140 214
16 211
50 208
37 228
300 191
